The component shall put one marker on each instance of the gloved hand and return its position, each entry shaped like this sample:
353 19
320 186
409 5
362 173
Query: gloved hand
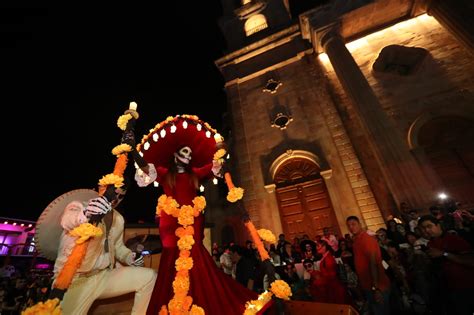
98 206
138 262
128 137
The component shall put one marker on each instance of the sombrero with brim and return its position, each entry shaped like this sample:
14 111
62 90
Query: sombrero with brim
173 133
48 227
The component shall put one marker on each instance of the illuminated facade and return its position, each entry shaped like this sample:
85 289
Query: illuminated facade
380 98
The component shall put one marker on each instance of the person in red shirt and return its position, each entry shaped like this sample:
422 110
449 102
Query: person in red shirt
455 260
368 266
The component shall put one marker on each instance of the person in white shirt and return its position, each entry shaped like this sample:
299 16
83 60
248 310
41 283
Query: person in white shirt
331 239
414 217
226 262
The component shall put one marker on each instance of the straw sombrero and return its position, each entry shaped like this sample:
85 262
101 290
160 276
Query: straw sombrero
48 227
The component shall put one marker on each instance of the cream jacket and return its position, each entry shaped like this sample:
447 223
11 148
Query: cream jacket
96 258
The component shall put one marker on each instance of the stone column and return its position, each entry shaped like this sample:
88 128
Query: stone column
401 171
457 17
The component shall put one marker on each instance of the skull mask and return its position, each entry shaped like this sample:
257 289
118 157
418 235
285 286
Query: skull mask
183 156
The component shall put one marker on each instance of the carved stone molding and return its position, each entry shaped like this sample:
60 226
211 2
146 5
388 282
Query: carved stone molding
327 174
270 188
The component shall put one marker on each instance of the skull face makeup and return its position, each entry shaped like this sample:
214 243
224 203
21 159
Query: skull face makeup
183 156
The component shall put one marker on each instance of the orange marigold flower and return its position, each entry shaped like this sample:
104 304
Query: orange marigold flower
181 284
163 310
185 216
235 194
184 253
186 242
199 203
50 307
196 310
281 289
184 263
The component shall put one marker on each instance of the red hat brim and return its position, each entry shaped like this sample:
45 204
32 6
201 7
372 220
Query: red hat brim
160 150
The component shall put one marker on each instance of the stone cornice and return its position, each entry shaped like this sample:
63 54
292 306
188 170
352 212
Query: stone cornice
259 47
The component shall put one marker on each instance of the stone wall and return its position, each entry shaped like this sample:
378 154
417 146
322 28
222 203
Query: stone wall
316 127
442 83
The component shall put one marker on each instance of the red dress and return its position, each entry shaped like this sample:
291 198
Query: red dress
210 288
325 286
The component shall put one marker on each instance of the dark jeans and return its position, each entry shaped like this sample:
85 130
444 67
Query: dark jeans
378 308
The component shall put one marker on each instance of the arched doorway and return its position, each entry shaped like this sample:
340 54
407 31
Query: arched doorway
303 200
448 143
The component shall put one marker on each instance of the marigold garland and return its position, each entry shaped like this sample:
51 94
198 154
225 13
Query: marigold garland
111 179
181 303
121 148
122 121
219 154
281 289
186 242
235 194
120 165
65 276
85 231
163 310
267 236
50 307
64 279
196 310
256 239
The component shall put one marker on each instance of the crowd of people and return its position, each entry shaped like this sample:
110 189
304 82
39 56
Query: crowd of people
418 264
21 288
421 264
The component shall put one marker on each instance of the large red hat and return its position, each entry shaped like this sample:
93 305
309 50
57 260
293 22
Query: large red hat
172 134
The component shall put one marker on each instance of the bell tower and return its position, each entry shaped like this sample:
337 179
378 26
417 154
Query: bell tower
246 21
288 141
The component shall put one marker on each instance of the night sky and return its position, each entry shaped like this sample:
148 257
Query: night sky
68 73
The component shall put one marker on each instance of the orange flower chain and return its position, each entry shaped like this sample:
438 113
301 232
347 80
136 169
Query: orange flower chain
182 303
85 232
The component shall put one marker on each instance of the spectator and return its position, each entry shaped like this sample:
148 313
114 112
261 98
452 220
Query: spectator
382 238
296 283
289 256
281 243
447 222
368 266
330 239
393 233
345 253
454 263
244 266
325 286
274 256
226 262
414 217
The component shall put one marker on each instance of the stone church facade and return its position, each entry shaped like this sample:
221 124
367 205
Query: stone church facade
348 108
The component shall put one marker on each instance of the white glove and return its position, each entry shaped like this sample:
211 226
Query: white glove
139 262
98 206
